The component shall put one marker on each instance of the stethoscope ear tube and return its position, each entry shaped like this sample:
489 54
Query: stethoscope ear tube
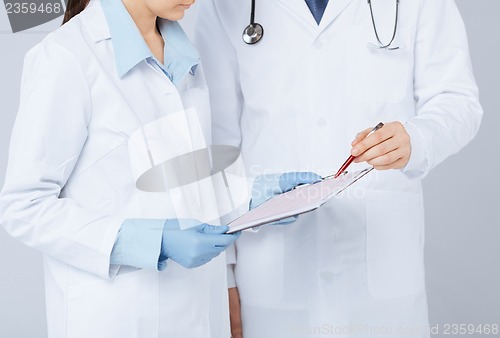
254 32
382 45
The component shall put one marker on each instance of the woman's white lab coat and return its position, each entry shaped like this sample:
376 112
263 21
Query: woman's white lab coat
77 150
294 102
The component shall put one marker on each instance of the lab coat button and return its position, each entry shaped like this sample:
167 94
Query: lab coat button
319 44
321 122
204 322
327 276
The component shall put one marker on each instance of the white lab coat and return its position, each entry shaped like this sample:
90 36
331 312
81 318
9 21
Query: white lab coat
71 181
294 102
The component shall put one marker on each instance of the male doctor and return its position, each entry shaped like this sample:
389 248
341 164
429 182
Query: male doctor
303 99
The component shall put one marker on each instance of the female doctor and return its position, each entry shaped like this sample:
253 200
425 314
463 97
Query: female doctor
106 99
293 99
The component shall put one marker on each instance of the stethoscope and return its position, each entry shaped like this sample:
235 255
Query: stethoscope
254 32
381 45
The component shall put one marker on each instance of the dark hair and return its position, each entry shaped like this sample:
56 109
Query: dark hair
74 7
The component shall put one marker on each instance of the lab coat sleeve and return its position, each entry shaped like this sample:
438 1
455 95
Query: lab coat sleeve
418 163
48 136
231 262
226 100
221 71
448 109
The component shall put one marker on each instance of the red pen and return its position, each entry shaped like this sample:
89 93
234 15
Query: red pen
351 158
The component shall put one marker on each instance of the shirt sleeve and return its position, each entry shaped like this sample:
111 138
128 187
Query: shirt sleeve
447 100
139 244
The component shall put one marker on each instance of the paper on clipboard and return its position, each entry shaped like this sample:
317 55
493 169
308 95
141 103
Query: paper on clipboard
295 202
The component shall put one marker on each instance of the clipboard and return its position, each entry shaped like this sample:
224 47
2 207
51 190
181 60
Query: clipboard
298 201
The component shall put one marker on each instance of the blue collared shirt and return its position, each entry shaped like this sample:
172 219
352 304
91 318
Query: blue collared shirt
139 240
180 56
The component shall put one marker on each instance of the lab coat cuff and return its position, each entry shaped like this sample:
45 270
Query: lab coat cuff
418 165
231 280
113 270
231 254
139 244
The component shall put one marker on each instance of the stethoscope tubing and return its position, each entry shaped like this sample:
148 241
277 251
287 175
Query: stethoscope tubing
254 32
252 13
382 46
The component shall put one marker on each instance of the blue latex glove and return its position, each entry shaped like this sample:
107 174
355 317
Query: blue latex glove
288 181
267 186
196 245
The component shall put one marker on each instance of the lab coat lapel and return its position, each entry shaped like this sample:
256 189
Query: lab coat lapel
332 11
300 9
98 26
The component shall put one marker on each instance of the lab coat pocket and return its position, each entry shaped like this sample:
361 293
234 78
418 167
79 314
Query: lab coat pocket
373 74
259 266
395 231
123 307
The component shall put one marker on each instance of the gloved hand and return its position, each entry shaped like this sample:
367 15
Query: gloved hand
288 181
196 245
267 186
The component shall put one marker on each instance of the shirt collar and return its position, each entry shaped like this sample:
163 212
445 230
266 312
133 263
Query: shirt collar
180 56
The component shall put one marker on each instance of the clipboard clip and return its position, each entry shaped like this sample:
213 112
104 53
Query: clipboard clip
345 172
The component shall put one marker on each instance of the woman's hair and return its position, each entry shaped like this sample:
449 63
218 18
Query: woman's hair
74 7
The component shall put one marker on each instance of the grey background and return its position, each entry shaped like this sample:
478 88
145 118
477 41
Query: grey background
462 227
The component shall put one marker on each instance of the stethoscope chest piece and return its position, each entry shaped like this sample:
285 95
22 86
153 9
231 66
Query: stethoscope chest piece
253 33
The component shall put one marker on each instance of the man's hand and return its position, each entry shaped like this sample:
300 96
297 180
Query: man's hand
387 148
